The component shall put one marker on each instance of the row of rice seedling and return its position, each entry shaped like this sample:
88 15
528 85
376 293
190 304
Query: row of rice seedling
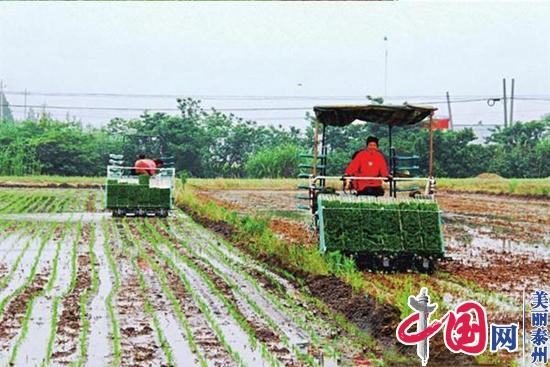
39 202
17 203
49 285
291 305
177 309
27 201
85 298
293 261
62 203
57 299
34 230
130 242
231 308
18 229
204 305
229 277
50 230
167 349
108 233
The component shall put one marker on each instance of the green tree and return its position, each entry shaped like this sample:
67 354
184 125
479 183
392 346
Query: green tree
5 110
272 162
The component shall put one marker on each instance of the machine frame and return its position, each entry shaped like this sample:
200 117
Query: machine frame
163 179
391 116
119 172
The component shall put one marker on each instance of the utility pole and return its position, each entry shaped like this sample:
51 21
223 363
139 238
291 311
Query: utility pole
25 103
504 100
512 103
386 68
430 157
450 112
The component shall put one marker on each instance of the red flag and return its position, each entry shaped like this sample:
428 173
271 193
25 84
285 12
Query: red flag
441 123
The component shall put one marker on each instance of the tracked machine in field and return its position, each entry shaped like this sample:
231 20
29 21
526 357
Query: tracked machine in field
142 187
399 231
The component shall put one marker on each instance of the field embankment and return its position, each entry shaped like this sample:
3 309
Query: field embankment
539 187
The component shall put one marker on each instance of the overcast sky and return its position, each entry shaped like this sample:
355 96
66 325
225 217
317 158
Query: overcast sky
266 49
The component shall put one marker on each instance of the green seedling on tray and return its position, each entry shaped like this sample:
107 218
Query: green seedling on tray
382 226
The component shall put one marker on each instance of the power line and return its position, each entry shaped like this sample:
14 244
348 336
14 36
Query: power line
248 97
162 108
183 95
229 109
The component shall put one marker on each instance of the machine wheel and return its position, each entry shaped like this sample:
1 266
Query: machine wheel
119 213
163 213
425 264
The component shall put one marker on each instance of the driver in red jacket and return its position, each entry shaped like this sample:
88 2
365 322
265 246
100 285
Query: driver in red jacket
368 162
145 166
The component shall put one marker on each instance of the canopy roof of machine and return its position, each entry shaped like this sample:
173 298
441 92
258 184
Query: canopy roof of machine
391 115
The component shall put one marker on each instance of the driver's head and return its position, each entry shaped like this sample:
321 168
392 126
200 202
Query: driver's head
141 156
372 143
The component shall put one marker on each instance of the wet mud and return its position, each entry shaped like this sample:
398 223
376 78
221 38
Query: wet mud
100 348
369 315
509 235
90 202
380 320
15 311
205 337
140 346
66 344
498 248
175 335
499 244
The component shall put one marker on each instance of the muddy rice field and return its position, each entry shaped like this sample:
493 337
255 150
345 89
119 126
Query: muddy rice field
78 287
498 245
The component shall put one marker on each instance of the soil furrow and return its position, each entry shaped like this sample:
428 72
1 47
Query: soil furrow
263 330
17 304
223 305
66 345
100 348
12 319
278 299
183 355
204 336
34 346
139 344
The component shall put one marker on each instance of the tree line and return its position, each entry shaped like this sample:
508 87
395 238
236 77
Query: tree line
209 143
